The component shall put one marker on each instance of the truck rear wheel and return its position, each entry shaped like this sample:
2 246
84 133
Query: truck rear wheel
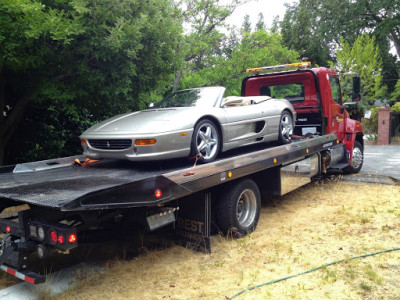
238 209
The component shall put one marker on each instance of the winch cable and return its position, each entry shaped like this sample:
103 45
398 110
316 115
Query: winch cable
311 270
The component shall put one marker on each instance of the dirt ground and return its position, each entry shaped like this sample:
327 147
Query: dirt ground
313 226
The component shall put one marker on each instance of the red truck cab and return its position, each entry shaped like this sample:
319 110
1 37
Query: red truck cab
316 95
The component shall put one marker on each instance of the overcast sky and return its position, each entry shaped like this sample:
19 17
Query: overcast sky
269 8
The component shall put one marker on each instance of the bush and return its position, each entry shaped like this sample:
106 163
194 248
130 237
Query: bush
396 107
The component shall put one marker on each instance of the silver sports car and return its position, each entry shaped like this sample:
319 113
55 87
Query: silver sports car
195 122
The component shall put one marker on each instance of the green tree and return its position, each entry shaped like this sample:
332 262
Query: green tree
76 62
260 25
260 48
202 40
246 25
313 27
362 58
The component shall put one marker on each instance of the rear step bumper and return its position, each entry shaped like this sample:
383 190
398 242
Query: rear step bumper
26 275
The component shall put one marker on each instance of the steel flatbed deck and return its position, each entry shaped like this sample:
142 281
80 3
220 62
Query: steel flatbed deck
61 185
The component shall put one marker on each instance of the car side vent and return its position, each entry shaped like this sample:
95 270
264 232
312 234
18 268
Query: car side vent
111 144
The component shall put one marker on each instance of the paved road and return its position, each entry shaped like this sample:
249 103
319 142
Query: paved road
382 160
381 164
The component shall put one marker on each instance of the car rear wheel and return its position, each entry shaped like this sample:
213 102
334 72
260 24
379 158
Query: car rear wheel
205 141
285 128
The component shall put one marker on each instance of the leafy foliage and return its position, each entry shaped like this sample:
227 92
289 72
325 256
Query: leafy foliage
77 62
363 58
396 107
254 49
314 27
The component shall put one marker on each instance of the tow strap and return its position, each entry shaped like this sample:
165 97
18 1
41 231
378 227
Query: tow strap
83 163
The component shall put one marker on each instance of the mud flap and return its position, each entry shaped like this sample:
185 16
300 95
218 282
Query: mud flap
193 225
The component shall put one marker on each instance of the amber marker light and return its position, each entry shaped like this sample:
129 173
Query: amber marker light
145 142
83 142
230 174
307 151
275 160
182 134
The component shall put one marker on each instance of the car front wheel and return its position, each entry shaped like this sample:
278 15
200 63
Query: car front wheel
205 141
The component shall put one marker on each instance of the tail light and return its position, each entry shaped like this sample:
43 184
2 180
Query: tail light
53 236
58 235
61 239
72 238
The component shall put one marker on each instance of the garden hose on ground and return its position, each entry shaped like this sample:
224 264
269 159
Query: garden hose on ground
311 270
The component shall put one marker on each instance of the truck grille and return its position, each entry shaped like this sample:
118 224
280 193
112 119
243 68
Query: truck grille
111 144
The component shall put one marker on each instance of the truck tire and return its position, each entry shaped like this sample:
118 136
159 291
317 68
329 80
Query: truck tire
358 158
285 128
205 140
238 209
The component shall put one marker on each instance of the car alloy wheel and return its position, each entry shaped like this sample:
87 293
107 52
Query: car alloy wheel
207 140
285 128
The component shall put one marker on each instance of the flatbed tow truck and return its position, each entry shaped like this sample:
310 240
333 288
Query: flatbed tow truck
67 202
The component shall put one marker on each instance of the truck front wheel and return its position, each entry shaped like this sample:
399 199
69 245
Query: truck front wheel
238 209
358 158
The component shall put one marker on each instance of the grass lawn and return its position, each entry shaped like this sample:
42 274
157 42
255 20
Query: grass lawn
315 225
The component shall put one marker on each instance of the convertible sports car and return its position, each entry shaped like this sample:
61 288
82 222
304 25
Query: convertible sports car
195 122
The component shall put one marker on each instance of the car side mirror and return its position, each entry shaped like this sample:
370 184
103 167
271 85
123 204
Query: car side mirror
150 105
356 88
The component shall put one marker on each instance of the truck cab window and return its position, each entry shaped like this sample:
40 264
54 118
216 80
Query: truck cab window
335 89
293 92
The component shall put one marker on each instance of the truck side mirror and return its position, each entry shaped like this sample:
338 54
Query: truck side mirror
356 88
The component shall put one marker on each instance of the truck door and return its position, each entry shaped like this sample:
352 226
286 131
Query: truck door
336 121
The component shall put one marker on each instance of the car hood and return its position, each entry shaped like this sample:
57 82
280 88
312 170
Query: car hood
147 121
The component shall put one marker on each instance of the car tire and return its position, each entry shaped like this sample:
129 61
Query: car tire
238 208
285 128
205 141
357 160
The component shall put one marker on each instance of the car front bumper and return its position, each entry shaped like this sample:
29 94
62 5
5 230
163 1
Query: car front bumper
168 145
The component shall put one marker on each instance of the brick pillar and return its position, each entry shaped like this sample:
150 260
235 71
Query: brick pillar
384 126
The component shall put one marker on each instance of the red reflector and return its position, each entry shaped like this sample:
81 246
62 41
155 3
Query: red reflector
157 193
8 229
29 279
53 236
11 271
61 239
72 238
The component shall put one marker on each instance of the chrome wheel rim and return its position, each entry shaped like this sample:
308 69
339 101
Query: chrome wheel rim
246 208
357 158
286 127
207 141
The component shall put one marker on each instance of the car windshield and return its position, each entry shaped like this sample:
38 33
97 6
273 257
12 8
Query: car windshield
200 97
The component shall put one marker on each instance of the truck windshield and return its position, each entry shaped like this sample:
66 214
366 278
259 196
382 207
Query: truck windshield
293 92
200 97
